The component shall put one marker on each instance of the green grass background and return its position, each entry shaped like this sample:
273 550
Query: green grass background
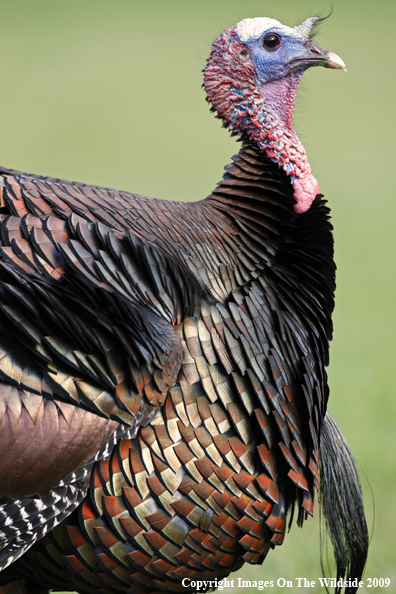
109 92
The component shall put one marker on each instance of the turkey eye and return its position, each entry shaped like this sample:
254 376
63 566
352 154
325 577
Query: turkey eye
271 42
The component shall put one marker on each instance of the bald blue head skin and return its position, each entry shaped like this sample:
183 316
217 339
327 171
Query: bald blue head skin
278 51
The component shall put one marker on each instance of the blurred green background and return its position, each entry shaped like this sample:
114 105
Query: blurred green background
109 93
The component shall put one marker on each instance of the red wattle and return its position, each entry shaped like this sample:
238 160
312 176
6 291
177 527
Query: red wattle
305 190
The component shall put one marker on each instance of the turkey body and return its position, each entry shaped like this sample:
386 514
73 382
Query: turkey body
163 378
200 488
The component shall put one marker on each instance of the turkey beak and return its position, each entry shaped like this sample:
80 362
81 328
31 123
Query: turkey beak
329 59
334 61
317 56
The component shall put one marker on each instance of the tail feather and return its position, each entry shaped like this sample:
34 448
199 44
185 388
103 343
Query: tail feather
342 504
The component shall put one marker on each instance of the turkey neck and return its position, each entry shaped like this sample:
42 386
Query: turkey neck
260 111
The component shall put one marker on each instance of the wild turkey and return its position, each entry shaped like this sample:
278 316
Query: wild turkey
164 392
